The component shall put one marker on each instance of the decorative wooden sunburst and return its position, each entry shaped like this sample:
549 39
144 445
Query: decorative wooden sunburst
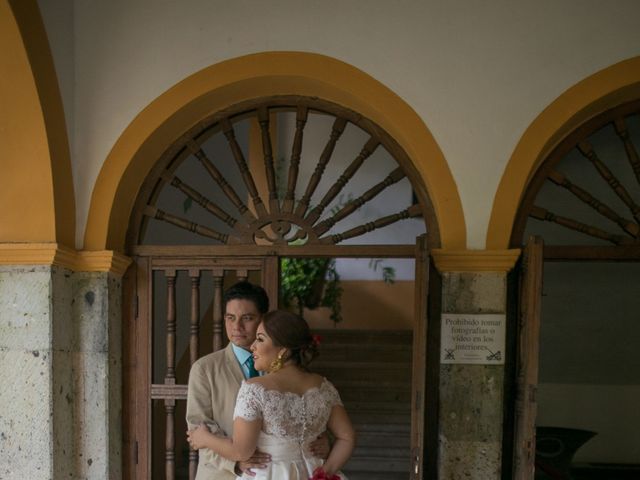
282 218
613 213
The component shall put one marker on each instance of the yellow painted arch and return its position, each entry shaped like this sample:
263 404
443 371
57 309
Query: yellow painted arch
37 186
601 91
254 76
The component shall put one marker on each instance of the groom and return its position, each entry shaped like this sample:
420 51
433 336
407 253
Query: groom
215 379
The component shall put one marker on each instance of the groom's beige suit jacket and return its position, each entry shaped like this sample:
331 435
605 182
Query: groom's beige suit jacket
214 382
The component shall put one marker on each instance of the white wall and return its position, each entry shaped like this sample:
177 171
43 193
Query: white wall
478 73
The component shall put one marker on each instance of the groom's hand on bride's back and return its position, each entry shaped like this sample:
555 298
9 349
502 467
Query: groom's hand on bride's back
258 460
321 446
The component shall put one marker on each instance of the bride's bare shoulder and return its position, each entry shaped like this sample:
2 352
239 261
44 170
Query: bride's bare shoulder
267 382
314 380
256 381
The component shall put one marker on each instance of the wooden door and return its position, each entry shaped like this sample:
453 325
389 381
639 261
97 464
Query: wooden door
251 198
527 361
167 330
419 359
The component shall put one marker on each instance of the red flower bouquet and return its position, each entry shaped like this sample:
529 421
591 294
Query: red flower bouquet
320 474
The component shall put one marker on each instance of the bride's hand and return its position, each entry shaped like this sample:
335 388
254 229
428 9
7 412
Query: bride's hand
321 447
257 460
198 436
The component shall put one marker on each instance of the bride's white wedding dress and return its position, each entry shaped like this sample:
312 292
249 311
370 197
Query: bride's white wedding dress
290 422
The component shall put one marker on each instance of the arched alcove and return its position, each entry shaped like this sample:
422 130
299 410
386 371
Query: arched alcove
581 198
251 220
611 86
258 76
285 170
295 180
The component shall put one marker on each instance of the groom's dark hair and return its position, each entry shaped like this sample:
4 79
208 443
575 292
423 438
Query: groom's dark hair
248 291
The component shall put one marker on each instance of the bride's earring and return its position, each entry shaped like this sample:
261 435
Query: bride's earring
276 364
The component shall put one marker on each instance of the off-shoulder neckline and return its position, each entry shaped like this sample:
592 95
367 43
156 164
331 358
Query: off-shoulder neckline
299 395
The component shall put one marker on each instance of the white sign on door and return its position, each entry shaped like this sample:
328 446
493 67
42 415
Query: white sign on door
473 338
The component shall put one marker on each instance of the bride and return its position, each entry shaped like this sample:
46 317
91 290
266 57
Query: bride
282 412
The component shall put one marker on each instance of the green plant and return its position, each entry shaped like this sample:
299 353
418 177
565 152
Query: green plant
311 283
388 273
315 282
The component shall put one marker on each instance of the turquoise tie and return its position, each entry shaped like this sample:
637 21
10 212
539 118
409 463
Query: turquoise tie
252 369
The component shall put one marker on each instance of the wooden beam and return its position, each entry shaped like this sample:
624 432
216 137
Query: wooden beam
620 253
336 251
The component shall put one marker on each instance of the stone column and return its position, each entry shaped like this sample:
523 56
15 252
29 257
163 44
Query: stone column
471 396
36 395
60 363
97 374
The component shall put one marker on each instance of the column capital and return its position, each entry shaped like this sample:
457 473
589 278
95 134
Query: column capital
62 256
475 260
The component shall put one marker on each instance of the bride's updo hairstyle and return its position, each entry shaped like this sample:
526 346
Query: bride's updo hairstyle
291 331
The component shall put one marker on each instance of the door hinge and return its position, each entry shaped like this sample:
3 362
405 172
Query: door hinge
135 306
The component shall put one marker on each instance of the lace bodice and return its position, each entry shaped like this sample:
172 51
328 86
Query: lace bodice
288 415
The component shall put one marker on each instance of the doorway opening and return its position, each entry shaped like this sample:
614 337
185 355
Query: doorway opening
268 179
583 202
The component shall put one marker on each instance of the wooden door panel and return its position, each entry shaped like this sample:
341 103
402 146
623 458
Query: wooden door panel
527 361
156 372
419 359
155 402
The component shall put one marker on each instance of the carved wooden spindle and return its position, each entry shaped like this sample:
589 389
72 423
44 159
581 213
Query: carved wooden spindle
153 212
220 180
544 214
194 330
632 154
170 377
199 198
171 326
394 177
194 340
412 211
218 309
294 165
242 275
338 127
229 133
263 120
587 150
627 225
337 187
193 464
170 440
